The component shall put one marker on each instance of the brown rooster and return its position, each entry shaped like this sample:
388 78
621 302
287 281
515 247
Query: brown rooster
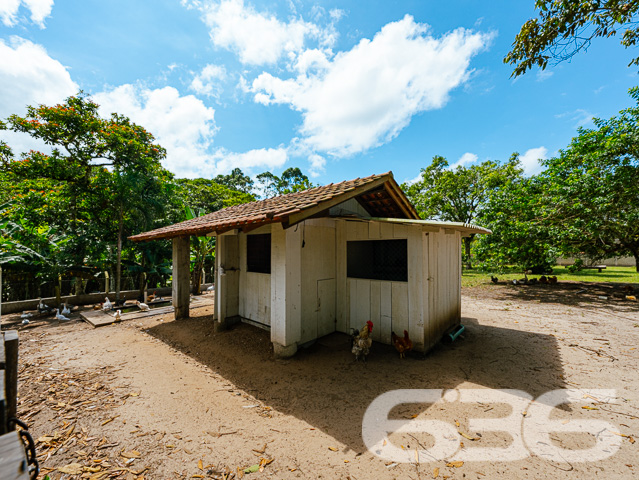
362 341
402 345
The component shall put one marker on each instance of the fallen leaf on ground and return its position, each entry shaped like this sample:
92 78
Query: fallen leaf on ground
332 449
588 407
200 465
455 464
465 435
436 470
71 469
252 469
131 454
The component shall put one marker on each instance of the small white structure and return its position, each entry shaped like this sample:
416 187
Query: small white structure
328 259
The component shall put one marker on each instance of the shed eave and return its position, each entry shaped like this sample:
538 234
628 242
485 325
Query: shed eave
460 226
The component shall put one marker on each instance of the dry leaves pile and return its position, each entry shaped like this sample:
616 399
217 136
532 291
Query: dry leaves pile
71 403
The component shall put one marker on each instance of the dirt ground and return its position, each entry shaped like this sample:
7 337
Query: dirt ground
156 398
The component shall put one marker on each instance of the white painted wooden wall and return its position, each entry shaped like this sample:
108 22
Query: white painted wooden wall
308 295
255 290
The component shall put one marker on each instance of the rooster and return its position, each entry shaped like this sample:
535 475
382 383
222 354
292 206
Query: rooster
494 279
402 345
552 279
362 341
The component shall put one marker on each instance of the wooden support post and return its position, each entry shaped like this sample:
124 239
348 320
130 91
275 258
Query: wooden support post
11 372
181 277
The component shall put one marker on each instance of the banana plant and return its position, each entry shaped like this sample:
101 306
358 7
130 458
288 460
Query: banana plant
202 248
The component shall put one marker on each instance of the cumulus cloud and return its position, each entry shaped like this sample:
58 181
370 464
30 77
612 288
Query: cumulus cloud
465 160
29 76
209 81
317 164
530 160
263 158
181 124
186 127
40 9
257 38
364 97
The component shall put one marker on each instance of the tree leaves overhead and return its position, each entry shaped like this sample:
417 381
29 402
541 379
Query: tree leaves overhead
566 27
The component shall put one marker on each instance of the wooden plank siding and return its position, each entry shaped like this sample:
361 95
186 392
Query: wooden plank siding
254 291
390 305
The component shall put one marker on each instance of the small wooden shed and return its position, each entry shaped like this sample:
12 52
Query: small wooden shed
328 259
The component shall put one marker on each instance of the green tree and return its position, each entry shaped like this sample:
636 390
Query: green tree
460 195
236 180
521 237
202 248
592 200
206 196
292 180
566 27
97 173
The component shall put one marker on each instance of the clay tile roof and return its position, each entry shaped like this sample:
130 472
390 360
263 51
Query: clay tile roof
276 209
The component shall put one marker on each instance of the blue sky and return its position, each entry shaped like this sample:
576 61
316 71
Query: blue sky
341 89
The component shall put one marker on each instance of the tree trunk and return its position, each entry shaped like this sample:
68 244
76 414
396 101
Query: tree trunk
636 254
467 241
118 265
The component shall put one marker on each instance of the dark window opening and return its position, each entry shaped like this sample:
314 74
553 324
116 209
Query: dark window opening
378 260
258 253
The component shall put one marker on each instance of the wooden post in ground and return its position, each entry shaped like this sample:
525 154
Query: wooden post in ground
11 372
181 277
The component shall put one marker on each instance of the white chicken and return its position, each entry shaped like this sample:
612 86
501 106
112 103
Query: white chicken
65 309
118 316
142 306
26 315
107 305
59 316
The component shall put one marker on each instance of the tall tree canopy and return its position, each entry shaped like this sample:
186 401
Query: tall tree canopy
566 27
95 186
459 195
236 180
592 189
292 180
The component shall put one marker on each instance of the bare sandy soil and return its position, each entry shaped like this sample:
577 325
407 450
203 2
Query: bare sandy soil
156 398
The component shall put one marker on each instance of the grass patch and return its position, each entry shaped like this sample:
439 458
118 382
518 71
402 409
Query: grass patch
474 278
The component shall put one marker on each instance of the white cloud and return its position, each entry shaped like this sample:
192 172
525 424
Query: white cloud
466 159
257 38
181 124
29 76
186 128
209 81
580 116
317 165
40 9
364 97
544 75
263 158
530 160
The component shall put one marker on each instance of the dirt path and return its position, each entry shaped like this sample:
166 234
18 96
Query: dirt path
156 398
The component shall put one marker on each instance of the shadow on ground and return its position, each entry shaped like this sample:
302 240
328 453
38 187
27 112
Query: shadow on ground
323 386
580 294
